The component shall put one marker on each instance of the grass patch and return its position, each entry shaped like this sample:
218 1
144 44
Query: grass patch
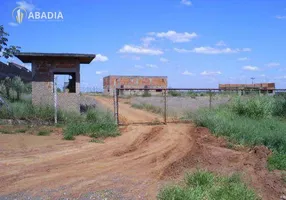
44 132
284 177
148 107
249 122
25 110
5 131
22 130
97 124
277 161
206 185
94 140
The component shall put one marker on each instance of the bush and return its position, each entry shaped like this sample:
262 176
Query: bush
249 122
25 110
206 185
9 87
97 124
174 93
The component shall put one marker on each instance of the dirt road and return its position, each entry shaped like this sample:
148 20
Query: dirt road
132 166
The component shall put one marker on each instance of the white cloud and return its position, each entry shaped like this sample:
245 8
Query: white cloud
280 17
140 50
164 60
220 43
246 49
151 65
27 6
100 58
273 64
100 72
186 2
186 72
243 59
12 24
210 73
147 41
176 37
182 50
211 50
250 68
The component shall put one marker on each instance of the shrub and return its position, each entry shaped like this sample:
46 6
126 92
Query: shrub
96 124
206 185
249 122
174 93
44 133
146 94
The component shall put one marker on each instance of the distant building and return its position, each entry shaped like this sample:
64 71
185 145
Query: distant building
156 83
262 87
12 69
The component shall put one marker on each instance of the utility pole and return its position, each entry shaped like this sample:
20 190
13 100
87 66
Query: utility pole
252 78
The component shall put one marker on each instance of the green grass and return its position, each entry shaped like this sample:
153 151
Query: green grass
97 124
22 130
251 122
5 131
25 110
94 140
284 177
203 185
44 132
148 107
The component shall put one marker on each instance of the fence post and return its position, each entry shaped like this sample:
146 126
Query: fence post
165 106
115 104
117 107
210 103
55 99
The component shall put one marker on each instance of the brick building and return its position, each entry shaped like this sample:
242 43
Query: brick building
45 66
262 87
156 83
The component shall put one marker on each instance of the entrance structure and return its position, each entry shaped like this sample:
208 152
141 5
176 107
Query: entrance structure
45 66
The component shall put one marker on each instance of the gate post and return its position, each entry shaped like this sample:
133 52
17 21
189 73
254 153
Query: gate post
165 106
115 104
210 103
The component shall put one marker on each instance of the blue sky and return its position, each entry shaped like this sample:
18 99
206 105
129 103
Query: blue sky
198 43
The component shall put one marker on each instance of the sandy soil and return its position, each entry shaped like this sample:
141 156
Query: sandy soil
134 165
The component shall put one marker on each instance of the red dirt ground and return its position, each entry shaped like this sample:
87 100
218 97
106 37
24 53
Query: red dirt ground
135 164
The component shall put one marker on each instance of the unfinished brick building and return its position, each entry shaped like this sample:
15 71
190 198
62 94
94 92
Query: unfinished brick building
45 66
156 83
261 87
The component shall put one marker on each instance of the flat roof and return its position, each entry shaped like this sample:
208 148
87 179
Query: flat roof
137 76
28 57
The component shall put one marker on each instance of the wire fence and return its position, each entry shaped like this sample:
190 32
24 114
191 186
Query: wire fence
161 106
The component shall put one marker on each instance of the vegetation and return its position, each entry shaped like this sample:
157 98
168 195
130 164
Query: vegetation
205 185
148 107
7 51
255 121
13 88
174 93
44 132
96 124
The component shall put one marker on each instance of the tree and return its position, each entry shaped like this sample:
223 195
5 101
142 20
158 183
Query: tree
7 83
7 51
18 86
